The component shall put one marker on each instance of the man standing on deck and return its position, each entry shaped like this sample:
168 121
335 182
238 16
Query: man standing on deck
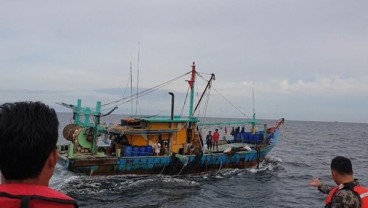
348 193
28 156
216 138
157 147
209 139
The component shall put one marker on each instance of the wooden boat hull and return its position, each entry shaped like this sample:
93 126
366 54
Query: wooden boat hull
178 138
172 165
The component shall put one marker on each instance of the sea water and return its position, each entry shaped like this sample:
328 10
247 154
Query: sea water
304 151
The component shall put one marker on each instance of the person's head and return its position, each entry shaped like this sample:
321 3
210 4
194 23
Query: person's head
216 130
341 168
28 137
209 132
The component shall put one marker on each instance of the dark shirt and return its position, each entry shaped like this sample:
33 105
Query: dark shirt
345 197
209 139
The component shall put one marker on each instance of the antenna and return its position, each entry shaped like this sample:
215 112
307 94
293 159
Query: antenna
253 101
136 101
131 89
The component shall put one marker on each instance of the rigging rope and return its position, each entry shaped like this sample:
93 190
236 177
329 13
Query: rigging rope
231 103
197 94
198 97
207 95
225 98
185 100
126 87
150 90
144 92
206 103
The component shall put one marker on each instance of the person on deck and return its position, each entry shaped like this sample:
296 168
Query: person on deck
216 138
201 138
209 140
28 156
157 148
348 193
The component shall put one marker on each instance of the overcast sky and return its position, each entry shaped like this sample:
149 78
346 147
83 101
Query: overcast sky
305 60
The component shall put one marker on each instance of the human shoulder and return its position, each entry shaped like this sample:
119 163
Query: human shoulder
346 198
28 189
56 193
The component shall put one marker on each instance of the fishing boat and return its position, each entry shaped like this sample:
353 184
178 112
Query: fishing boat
178 139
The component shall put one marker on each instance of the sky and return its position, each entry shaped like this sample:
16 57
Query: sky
303 59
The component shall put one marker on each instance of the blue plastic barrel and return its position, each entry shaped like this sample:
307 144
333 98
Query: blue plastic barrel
246 137
250 138
259 137
241 136
142 151
135 151
238 137
128 151
149 150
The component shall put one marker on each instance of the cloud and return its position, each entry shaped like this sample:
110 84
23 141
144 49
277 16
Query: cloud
326 85
305 60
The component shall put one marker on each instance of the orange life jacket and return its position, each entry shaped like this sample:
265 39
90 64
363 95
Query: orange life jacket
360 190
32 196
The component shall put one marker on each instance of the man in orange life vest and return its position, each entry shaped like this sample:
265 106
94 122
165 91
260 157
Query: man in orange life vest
348 193
28 136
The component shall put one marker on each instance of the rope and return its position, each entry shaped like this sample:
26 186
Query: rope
225 98
144 92
197 97
258 156
220 167
162 170
185 101
207 97
231 103
206 103
129 79
185 164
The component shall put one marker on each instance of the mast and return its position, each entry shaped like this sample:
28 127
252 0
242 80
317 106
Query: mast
191 85
205 89
131 89
136 101
254 117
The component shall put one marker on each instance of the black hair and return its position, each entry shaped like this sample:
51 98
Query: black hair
342 165
28 135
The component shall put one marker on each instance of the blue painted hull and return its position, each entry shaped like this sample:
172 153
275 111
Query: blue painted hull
173 165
